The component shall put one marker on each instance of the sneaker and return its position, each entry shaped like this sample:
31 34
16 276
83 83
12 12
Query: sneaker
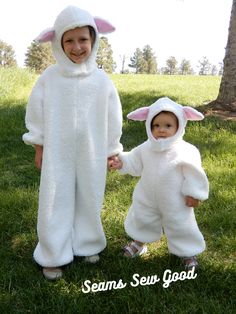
52 273
92 259
190 262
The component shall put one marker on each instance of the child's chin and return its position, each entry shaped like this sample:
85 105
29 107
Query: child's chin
76 61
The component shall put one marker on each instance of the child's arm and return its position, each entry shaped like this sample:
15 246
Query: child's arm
195 185
34 116
114 131
38 156
131 162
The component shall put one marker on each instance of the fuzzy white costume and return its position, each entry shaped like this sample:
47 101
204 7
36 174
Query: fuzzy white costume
170 169
74 112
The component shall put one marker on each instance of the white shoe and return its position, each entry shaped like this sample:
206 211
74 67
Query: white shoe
52 273
133 249
92 259
190 262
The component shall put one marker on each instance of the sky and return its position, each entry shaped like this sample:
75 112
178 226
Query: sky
187 29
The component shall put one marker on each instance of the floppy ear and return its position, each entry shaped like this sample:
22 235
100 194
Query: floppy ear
103 26
139 114
192 114
46 35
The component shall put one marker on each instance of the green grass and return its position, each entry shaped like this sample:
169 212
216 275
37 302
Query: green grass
22 287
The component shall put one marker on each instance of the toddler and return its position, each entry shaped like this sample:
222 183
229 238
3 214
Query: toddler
172 183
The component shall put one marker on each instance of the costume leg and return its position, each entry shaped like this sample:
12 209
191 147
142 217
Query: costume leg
182 232
55 216
88 235
143 222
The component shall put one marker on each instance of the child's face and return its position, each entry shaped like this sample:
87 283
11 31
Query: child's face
77 44
164 125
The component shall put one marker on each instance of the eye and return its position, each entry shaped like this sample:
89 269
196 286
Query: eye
84 39
68 40
168 125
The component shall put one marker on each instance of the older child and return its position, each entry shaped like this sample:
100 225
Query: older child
74 120
172 183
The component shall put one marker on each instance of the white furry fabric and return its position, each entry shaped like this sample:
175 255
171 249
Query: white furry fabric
169 170
74 111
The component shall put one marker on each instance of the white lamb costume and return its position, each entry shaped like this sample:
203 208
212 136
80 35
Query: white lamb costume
170 169
74 112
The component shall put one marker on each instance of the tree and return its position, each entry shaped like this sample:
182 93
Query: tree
171 66
39 56
204 66
7 55
185 67
104 56
138 62
144 61
150 59
214 70
123 70
123 59
226 99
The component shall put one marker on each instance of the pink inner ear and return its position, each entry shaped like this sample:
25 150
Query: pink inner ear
139 114
45 36
192 114
103 26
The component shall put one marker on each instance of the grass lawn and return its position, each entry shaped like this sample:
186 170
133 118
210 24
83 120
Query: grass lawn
22 286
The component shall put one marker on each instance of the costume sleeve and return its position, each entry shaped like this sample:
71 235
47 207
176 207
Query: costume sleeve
34 116
114 123
132 162
195 180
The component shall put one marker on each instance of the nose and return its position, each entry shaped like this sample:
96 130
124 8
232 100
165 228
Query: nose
77 46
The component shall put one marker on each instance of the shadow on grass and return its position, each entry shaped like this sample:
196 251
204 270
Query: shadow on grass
16 158
212 291
132 101
23 289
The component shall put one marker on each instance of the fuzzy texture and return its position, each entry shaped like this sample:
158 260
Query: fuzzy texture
74 112
170 169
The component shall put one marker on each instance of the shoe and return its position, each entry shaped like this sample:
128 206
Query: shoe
52 273
92 259
132 250
190 262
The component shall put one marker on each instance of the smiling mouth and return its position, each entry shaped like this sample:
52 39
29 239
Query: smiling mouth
77 55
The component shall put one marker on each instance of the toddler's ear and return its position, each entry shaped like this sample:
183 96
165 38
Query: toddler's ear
139 114
192 114
46 35
103 26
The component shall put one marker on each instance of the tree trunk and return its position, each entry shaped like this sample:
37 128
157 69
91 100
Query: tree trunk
226 99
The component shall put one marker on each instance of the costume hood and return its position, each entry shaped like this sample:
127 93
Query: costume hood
183 113
70 18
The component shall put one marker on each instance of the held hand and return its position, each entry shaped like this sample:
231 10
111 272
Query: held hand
38 156
191 202
114 162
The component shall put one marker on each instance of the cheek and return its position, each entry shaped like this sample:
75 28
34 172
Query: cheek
155 133
89 45
66 48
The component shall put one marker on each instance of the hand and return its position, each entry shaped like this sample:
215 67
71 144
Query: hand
38 156
114 162
191 202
